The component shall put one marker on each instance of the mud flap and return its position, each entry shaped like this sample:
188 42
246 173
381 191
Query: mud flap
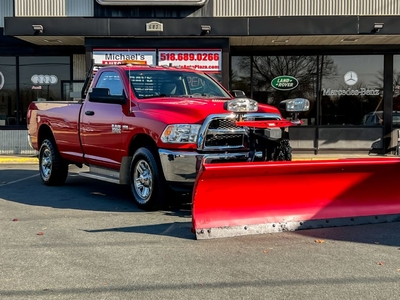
232 199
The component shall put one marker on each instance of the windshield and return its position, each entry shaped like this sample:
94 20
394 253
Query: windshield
167 83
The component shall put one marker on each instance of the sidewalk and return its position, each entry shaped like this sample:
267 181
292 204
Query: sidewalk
21 159
328 156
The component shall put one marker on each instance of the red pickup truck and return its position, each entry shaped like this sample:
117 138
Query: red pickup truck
150 127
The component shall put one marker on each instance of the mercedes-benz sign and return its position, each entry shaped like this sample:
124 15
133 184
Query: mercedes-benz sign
44 79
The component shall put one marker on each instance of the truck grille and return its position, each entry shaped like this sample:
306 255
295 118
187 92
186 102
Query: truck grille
224 140
219 132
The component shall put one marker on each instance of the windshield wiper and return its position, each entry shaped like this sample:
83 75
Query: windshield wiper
195 95
205 95
148 97
156 96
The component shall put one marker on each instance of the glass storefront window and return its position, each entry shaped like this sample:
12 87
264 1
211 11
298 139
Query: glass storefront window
8 90
277 78
240 74
396 90
40 80
351 90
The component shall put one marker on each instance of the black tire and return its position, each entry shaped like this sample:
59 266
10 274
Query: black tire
147 181
283 151
52 168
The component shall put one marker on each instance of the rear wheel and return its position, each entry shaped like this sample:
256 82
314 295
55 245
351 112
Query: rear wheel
147 181
52 167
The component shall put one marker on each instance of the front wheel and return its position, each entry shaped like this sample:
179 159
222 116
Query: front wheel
146 180
283 151
52 168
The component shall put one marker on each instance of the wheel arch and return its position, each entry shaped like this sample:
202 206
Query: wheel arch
141 140
138 141
45 132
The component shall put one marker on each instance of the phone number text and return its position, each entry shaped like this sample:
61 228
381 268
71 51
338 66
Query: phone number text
190 56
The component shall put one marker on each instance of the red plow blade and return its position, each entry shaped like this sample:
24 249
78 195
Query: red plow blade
232 199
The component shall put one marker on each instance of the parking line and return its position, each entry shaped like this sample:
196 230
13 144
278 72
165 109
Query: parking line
15 181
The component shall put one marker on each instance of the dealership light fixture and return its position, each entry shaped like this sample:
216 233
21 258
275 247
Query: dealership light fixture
377 27
205 29
349 40
280 41
54 41
37 28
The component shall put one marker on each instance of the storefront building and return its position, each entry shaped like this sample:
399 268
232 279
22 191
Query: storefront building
344 58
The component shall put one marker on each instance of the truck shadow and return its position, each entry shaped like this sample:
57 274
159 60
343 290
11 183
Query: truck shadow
176 229
79 193
387 234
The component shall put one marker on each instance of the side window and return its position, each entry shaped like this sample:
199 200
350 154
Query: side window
112 81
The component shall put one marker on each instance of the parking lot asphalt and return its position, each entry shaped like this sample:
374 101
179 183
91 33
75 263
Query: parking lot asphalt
86 240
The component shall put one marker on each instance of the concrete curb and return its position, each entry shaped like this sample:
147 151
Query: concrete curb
7 159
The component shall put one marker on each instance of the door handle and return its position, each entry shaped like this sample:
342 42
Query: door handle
89 113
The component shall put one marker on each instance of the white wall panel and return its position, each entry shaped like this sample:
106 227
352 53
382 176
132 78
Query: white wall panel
6 10
258 8
221 8
53 8
32 8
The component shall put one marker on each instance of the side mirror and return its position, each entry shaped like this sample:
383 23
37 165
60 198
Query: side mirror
238 94
102 95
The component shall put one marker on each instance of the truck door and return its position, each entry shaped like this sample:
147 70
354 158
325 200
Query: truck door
101 125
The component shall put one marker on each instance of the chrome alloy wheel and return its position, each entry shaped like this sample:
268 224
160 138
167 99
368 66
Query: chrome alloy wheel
46 164
143 181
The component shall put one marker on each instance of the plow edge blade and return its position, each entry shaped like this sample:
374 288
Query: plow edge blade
233 199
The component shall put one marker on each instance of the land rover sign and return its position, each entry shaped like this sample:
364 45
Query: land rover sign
284 83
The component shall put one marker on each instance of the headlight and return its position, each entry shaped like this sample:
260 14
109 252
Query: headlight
180 133
241 105
295 105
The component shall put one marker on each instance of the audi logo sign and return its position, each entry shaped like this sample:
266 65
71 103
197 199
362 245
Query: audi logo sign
44 79
1 80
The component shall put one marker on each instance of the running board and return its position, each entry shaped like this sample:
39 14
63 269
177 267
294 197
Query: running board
102 174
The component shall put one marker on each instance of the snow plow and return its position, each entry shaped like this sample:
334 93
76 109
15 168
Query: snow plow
232 199
257 197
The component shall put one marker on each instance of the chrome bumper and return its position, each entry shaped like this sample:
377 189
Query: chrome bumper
182 166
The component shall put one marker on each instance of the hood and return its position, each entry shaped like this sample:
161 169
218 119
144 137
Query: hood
189 110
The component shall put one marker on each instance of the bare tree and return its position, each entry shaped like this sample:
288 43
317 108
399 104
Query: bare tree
305 69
